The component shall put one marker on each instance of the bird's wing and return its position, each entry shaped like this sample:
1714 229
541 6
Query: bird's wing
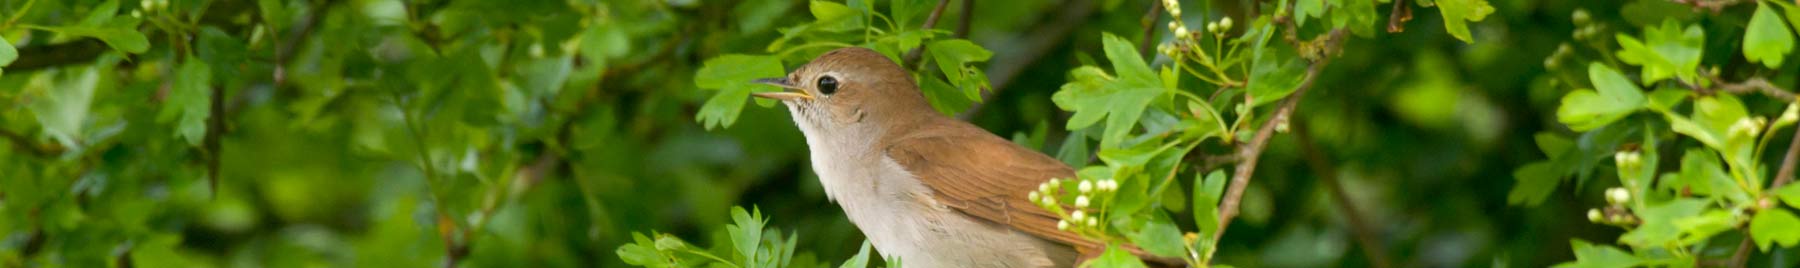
987 177
984 176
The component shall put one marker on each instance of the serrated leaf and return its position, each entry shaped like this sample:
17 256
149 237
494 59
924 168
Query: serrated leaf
1533 183
1789 193
1667 51
1274 74
1701 174
1207 191
1308 8
1659 222
954 57
1767 40
731 75
1458 13
1616 98
746 232
1588 255
1093 95
64 112
1775 227
189 101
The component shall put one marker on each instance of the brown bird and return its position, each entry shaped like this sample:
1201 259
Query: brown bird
929 189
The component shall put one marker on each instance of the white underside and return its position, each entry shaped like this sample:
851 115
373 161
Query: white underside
900 217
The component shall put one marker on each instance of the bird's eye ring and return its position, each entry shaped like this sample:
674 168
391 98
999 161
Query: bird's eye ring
827 85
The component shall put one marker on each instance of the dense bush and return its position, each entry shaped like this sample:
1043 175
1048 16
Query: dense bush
538 133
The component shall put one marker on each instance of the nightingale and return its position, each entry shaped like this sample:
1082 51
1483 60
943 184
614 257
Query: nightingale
931 190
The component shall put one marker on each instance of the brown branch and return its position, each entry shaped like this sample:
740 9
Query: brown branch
1321 167
1786 173
1742 256
285 50
1008 64
215 127
1149 24
967 16
1250 152
1398 17
1756 85
912 57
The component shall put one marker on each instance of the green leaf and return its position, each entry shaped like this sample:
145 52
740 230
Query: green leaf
64 112
600 43
1094 95
7 52
1274 74
1206 201
1701 174
1671 51
1457 14
954 57
1767 40
746 232
1157 235
1775 226
1789 193
1533 183
1308 8
120 33
1700 228
1616 98
1659 222
1711 125
190 101
1666 98
1114 257
1588 255
732 74
860 260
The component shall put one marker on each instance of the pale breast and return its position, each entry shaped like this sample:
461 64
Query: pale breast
901 219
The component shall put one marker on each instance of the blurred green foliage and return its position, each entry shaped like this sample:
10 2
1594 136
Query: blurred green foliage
539 133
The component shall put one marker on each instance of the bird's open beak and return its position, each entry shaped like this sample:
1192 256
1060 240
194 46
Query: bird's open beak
789 91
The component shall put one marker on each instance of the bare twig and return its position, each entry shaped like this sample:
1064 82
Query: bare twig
1250 152
966 17
1756 85
1149 24
912 57
1398 17
1008 64
1365 235
215 128
1739 258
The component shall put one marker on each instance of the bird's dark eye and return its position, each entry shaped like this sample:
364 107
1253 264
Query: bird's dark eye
827 85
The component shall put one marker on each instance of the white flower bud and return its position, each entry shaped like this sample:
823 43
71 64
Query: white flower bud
1033 196
1062 225
1092 222
1078 216
1175 12
1085 186
1172 25
1594 215
1745 127
1225 23
1181 32
1627 159
1618 195
1212 27
1081 201
1045 187
1112 185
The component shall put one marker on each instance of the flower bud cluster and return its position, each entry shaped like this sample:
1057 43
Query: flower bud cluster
1087 195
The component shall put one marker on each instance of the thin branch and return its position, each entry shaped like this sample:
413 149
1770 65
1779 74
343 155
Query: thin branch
1250 152
966 17
1786 173
284 51
1008 64
39 57
1742 256
1398 17
912 57
1756 85
215 128
1365 235
1149 24
22 143
1714 5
